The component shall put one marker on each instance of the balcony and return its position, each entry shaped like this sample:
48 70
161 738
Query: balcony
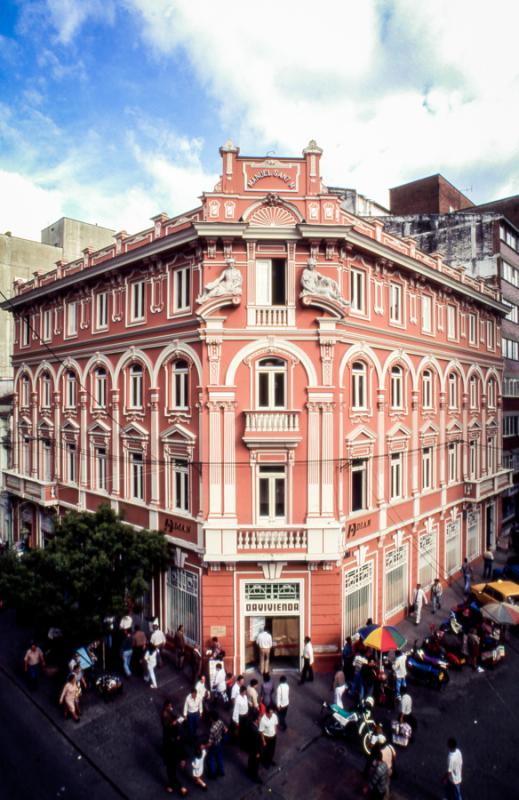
264 427
487 486
305 543
41 492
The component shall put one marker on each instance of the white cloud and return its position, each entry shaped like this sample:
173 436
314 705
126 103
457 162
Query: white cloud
68 16
25 207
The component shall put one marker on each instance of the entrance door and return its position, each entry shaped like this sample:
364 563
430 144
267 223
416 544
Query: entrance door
285 637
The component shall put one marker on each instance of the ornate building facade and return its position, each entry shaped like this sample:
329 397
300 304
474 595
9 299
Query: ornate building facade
307 406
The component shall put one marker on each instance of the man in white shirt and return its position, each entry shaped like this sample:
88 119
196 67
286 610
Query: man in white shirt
219 685
235 690
158 640
308 661
419 600
338 695
192 712
282 700
400 670
264 642
268 729
452 777
405 707
240 713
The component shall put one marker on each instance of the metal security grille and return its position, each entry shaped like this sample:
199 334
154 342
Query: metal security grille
184 603
427 564
272 591
452 547
358 597
396 584
472 535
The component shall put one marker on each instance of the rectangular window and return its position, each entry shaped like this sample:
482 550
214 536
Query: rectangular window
101 310
26 331
358 597
510 349
427 468
47 325
452 547
511 425
70 390
491 455
473 393
473 459
357 290
426 313
472 535
46 392
272 493
136 476
451 322
71 463
100 468
427 567
136 386
26 456
453 391
395 302
184 603
26 392
180 485
513 314
137 295
100 388
396 584
72 319
47 461
427 390
490 335
359 484
271 282
509 273
396 479
182 289
472 324
452 461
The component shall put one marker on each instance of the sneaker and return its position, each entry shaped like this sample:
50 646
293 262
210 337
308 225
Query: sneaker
480 669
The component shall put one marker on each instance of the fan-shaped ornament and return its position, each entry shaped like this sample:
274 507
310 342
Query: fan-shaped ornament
272 217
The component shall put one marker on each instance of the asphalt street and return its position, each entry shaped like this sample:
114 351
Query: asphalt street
119 744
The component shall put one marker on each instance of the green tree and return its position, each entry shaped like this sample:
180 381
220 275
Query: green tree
95 566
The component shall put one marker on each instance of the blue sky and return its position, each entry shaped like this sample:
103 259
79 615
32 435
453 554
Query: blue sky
113 110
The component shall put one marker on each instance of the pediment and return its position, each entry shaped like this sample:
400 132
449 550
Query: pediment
454 427
45 422
361 433
70 425
398 431
429 429
99 427
474 425
134 431
176 432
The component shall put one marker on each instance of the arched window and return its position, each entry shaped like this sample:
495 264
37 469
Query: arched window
100 387
397 388
427 389
359 398
136 386
272 380
491 393
473 392
26 392
70 390
179 384
453 390
46 390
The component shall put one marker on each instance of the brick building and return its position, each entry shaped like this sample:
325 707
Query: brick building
306 405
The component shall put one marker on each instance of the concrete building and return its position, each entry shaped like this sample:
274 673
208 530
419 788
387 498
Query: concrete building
483 240
308 406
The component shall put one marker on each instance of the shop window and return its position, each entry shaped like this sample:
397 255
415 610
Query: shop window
183 606
427 567
452 547
358 597
395 580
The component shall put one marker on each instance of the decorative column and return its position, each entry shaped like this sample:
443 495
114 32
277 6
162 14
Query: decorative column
484 464
57 436
443 442
155 447
34 448
83 472
465 427
499 438
327 462
415 454
215 459
378 467
116 434
229 457
313 459
15 434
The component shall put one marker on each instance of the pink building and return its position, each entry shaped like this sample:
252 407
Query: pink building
308 407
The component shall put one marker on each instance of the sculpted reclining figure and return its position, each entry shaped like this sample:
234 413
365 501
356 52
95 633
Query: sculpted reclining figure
312 282
229 281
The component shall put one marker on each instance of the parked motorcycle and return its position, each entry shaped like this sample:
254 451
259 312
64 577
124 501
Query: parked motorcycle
426 669
337 721
446 646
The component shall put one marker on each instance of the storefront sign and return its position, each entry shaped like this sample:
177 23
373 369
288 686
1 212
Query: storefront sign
176 526
272 607
355 527
273 175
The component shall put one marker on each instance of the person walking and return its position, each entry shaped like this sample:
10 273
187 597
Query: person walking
436 595
400 672
264 642
158 640
126 653
179 644
240 714
193 712
69 698
202 691
139 643
308 661
219 685
214 746
282 700
150 661
33 663
419 600
378 780
268 729
452 777
488 563
466 570
174 754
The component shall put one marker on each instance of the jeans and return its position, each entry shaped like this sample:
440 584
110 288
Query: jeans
357 686
127 657
400 682
33 673
215 760
453 791
192 723
150 676
436 603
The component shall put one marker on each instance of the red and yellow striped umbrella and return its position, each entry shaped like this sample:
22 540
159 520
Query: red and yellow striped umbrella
385 638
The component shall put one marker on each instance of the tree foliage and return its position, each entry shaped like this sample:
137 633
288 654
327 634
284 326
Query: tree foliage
96 565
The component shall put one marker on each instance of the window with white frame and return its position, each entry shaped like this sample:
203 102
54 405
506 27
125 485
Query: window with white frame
513 314
473 392
427 566
453 390
100 383
70 390
451 322
491 455
452 462
510 349
136 476
511 425
358 290
491 393
397 387
182 289
426 313
508 236
272 492
179 384
26 448
46 390
395 580
180 485
472 325
272 382
70 462
395 303
25 324
47 325
359 397
72 318
101 310
509 273
511 387
452 547
473 459
427 389
473 541
427 468
271 288
396 488
26 392
136 386
358 597
137 301
490 335
359 484
100 468
183 606
46 460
